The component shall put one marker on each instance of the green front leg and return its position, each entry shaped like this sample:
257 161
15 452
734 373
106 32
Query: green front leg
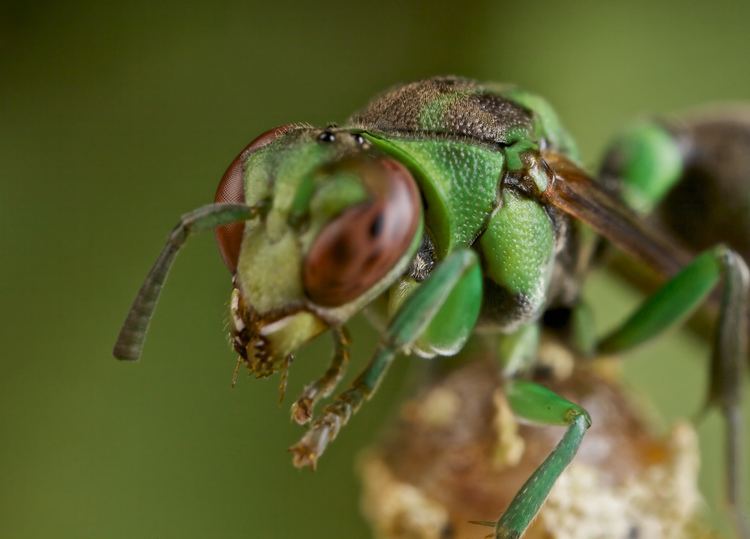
407 325
672 303
536 403
454 322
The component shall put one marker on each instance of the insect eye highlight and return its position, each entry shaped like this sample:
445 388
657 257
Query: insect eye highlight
359 247
231 189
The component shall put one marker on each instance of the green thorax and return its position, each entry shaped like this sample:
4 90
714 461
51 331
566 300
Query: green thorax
459 182
461 138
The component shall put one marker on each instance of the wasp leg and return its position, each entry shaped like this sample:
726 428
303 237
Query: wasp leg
583 329
321 388
518 350
672 303
536 403
407 325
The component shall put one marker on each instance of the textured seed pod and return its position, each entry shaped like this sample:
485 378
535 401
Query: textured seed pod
454 454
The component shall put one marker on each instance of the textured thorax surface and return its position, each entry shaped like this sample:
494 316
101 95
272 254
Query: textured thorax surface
453 131
464 140
454 107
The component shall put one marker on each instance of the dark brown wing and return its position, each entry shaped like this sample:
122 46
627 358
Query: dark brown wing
577 194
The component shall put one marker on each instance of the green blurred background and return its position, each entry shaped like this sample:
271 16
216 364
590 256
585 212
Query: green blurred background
117 117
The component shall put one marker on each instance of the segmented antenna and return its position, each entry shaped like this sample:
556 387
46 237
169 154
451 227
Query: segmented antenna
129 343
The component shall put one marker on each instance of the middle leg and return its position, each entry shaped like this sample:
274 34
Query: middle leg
536 403
672 303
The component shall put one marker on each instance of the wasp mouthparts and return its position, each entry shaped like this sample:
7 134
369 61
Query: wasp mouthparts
248 341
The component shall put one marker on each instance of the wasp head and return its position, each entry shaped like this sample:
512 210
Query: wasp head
338 223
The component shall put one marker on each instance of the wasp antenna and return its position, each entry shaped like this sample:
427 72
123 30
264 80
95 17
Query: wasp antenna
129 343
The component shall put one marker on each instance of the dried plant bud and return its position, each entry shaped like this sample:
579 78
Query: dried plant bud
454 454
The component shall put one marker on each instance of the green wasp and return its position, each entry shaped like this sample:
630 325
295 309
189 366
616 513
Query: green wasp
453 210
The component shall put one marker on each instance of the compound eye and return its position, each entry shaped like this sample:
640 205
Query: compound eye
232 190
360 246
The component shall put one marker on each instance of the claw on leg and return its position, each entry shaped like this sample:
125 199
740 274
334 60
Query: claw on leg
337 414
302 409
325 429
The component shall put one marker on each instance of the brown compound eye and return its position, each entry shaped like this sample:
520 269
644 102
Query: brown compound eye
359 247
232 190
